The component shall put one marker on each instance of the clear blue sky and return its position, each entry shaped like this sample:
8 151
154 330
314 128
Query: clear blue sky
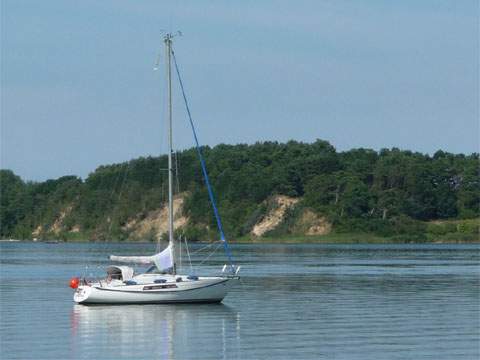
78 89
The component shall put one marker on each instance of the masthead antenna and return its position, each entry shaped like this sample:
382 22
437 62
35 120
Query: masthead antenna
166 37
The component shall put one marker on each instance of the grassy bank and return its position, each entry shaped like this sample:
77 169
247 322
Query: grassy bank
445 231
362 238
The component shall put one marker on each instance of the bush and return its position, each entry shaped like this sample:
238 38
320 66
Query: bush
442 228
468 227
459 237
405 225
195 233
409 238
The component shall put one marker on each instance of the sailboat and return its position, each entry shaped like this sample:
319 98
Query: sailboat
161 283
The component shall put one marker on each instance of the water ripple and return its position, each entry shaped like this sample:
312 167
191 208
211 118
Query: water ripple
294 302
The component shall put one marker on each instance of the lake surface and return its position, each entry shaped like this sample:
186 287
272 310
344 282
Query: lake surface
295 302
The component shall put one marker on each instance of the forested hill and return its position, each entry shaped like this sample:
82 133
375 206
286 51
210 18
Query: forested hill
389 193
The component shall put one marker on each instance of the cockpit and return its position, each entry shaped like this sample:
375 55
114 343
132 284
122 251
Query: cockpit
122 273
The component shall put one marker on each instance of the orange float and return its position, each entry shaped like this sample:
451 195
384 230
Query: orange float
74 282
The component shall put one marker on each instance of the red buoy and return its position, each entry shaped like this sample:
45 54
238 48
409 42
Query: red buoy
74 282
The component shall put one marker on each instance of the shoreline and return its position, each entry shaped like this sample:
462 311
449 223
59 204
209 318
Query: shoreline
336 238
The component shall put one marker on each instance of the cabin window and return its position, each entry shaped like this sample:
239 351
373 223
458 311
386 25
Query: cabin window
156 287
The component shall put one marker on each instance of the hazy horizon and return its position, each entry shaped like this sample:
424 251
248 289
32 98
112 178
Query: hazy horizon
78 88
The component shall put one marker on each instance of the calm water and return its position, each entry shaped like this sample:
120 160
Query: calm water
295 302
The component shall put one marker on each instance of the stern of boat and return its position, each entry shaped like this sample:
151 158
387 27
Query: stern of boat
82 293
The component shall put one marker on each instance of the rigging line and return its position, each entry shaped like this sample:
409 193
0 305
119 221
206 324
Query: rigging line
176 172
204 168
111 199
209 256
188 253
161 146
102 181
122 184
205 247
115 208
180 260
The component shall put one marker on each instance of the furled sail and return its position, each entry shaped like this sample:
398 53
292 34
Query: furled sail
163 260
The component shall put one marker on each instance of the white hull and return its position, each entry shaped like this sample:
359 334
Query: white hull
205 289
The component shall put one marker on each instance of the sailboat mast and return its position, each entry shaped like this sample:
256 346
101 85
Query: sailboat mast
168 49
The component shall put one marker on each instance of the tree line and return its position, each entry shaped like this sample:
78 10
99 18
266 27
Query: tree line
388 192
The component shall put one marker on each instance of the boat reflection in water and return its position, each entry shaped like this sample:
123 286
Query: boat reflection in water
162 331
